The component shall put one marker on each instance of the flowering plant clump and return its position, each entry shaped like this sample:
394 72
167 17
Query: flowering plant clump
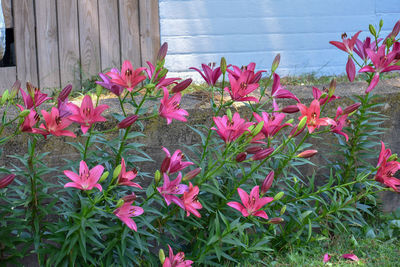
236 196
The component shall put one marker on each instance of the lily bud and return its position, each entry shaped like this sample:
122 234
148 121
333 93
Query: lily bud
120 203
157 177
99 89
24 113
165 164
128 121
253 149
392 157
276 62
6 180
162 53
351 108
129 198
223 65
276 220
307 153
190 175
241 156
4 97
302 123
65 93
381 24
278 196
396 29
258 128
15 88
289 121
117 171
283 209
266 185
290 109
262 154
229 114
181 86
332 88
372 30
295 131
162 73
161 256
104 176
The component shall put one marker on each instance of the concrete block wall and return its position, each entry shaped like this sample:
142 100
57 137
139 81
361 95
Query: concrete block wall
202 31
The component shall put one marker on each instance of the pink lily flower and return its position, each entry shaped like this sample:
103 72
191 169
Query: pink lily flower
87 179
350 257
86 115
361 47
350 69
272 122
191 202
174 163
230 130
382 62
169 108
251 204
348 44
29 122
8 179
395 31
312 113
55 125
280 92
240 88
340 120
128 78
210 74
322 100
252 77
177 260
172 188
159 81
109 85
34 98
125 178
387 169
327 257
126 212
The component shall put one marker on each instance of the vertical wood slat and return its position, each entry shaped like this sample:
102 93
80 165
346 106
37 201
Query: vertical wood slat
89 38
8 75
149 30
68 37
25 41
7 13
130 32
47 44
109 34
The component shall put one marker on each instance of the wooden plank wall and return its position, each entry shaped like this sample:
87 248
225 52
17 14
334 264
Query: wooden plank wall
68 41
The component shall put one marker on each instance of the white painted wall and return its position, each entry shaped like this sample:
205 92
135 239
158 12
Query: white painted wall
202 31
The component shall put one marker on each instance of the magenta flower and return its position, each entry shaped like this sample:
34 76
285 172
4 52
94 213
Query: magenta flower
340 120
350 69
126 212
386 169
169 107
348 44
350 257
177 260
249 71
266 185
86 115
240 88
128 121
128 78
174 163
108 84
382 62
322 100
361 47
210 74
279 92
230 130
191 202
125 178
272 122
55 125
327 258
87 179
34 98
158 80
8 179
251 204
312 113
29 122
172 188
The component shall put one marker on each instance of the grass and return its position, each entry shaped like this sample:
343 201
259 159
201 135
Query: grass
371 252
